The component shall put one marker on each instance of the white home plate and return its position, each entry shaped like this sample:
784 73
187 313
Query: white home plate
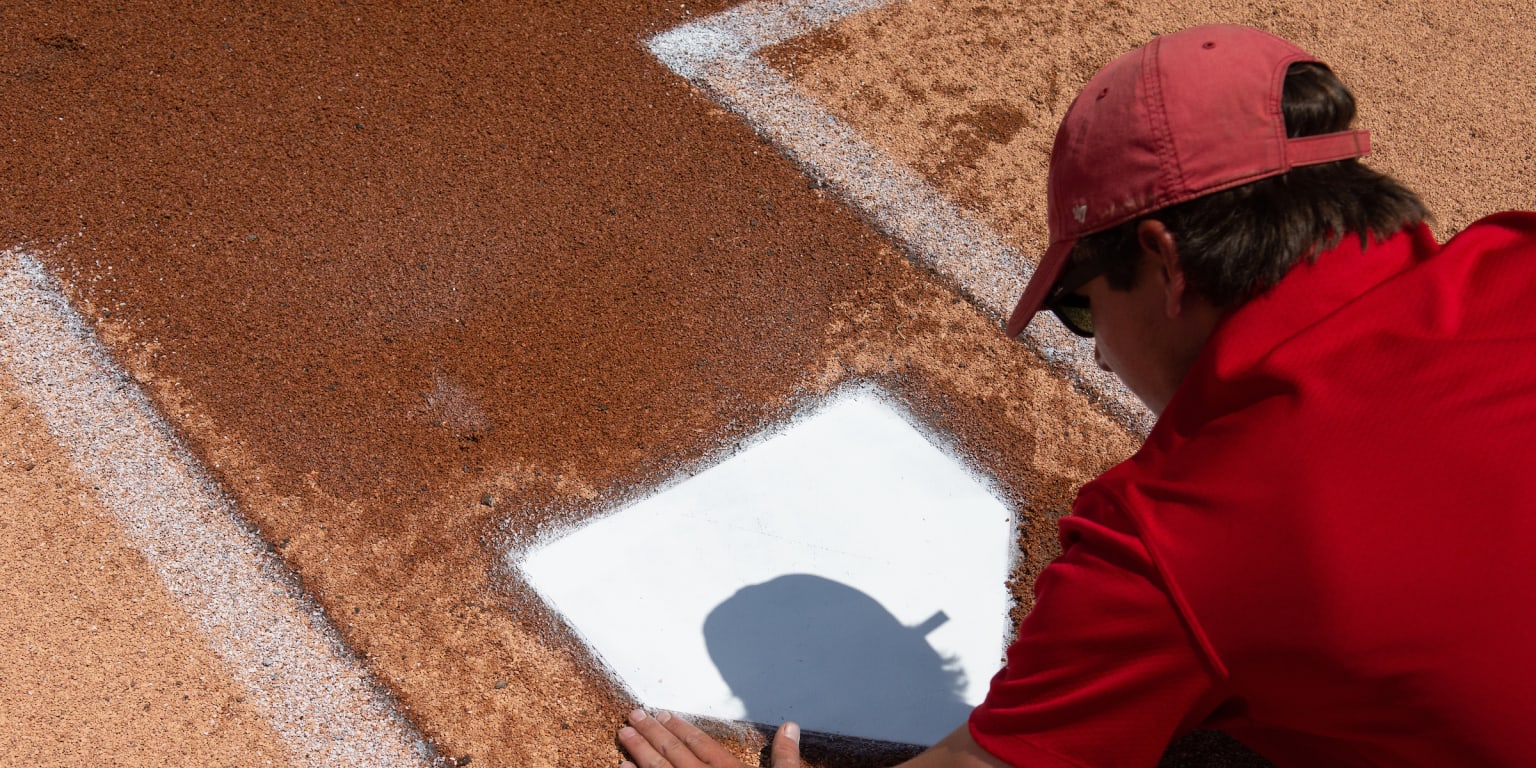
843 572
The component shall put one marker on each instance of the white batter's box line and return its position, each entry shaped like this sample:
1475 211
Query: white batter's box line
718 54
272 637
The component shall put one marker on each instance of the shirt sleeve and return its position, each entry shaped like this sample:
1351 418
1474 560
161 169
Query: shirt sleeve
1105 671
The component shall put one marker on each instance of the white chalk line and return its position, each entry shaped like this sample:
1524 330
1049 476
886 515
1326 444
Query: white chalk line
274 640
718 54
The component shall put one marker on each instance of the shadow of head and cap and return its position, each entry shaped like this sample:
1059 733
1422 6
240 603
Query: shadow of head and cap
832 658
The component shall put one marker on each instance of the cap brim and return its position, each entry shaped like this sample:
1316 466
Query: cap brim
1046 275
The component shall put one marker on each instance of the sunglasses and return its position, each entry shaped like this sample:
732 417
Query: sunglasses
1073 312
1071 307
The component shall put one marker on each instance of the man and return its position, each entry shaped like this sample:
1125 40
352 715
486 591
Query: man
1324 547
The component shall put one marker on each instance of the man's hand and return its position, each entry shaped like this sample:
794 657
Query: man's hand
665 741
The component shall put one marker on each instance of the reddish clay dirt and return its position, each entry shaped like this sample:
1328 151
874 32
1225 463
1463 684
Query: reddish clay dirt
420 282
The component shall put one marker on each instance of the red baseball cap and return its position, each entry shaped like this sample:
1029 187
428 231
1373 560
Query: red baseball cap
1185 115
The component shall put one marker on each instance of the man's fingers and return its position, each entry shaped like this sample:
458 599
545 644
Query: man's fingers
640 750
698 743
665 741
786 746
651 745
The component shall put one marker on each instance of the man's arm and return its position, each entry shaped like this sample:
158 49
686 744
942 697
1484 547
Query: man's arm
957 750
1104 671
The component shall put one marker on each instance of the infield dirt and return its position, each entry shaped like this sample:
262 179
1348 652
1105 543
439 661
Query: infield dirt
422 282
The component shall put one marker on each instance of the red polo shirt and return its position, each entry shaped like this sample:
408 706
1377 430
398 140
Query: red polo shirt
1327 546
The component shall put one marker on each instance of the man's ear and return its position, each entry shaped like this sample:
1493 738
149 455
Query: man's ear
1157 245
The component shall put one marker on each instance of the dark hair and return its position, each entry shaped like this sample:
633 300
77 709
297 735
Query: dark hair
1237 243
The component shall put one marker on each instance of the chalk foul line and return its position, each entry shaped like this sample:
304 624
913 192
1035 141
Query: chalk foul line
718 54
273 639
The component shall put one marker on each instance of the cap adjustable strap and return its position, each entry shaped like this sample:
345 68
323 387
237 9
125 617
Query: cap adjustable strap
1328 147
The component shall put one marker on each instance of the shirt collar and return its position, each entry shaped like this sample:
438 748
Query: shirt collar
1308 294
